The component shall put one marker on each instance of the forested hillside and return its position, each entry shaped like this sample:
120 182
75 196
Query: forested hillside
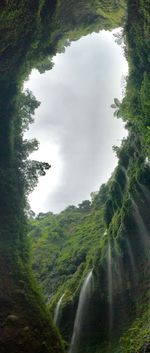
64 245
31 33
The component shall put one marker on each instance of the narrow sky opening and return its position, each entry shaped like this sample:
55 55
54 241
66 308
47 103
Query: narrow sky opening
74 123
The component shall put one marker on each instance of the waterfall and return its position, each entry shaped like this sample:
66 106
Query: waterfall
57 310
140 223
145 192
132 262
118 264
125 172
82 306
110 287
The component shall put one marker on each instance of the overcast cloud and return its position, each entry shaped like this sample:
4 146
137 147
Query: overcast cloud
75 124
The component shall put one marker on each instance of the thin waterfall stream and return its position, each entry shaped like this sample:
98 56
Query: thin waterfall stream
110 287
132 261
145 192
57 310
85 294
140 223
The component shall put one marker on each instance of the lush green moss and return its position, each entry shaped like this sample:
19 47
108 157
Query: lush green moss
123 212
33 31
61 244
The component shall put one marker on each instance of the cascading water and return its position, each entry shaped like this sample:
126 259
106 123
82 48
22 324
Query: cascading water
139 221
125 173
118 267
145 192
57 310
84 297
110 289
132 262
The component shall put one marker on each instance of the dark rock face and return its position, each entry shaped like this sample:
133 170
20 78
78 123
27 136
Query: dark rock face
145 348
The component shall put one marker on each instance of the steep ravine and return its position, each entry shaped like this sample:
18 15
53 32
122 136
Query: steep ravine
115 318
112 236
31 31
98 252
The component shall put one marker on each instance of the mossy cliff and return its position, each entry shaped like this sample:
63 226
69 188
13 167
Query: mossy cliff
67 246
111 234
31 33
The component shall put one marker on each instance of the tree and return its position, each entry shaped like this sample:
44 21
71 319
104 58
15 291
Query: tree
85 205
117 106
45 65
30 170
100 197
27 103
119 37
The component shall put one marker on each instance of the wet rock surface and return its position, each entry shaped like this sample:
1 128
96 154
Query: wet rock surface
145 348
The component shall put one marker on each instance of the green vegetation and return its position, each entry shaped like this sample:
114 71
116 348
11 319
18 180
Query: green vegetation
31 33
138 333
135 106
63 247
109 234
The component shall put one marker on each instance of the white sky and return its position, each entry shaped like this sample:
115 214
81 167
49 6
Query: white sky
74 123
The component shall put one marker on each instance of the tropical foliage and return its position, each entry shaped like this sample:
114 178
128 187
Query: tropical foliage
118 206
67 245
